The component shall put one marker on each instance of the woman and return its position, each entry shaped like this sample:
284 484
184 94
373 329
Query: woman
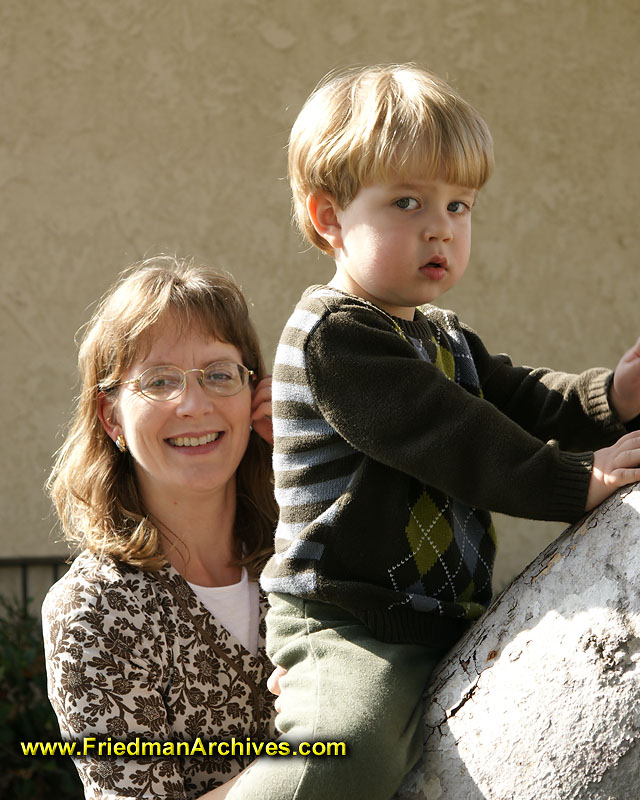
164 482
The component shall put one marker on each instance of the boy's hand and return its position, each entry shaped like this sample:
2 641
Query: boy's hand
624 394
261 410
614 467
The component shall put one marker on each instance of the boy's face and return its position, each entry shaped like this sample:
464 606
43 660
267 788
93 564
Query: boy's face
403 243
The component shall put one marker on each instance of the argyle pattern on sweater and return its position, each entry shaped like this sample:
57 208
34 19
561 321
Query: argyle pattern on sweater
359 533
445 536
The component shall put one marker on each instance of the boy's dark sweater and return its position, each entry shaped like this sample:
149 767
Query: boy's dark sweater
393 440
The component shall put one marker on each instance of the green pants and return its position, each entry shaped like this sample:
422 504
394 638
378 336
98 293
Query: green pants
342 685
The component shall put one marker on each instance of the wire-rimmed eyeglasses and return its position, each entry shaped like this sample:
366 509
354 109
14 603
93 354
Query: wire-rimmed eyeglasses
167 382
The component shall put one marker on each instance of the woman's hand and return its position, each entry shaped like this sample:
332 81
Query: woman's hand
261 410
273 685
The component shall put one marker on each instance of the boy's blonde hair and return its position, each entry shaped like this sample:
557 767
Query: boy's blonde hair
360 126
93 485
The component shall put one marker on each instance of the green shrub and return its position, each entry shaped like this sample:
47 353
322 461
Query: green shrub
26 715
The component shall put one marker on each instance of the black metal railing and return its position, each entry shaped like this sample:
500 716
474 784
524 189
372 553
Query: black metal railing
25 565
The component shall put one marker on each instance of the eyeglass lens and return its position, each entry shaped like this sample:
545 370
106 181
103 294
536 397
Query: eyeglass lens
167 382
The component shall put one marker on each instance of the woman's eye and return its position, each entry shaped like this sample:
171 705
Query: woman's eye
407 203
458 207
162 381
156 381
219 375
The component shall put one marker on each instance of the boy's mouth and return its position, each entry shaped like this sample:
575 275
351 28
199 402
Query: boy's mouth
437 261
435 269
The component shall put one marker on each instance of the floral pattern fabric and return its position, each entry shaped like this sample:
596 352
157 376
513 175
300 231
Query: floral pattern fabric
134 655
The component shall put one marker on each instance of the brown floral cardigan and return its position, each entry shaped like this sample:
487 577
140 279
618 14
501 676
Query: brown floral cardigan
135 654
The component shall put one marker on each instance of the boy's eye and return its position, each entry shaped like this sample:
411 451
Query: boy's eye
458 207
407 203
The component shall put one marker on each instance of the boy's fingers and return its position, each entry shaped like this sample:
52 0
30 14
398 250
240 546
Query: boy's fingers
630 463
633 353
628 441
627 476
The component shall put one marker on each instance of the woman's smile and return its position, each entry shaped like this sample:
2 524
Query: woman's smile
194 441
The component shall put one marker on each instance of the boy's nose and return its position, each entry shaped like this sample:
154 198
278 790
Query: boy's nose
437 227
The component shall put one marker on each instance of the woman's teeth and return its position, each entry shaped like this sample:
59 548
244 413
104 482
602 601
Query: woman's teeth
194 441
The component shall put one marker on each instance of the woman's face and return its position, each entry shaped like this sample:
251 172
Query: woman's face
166 467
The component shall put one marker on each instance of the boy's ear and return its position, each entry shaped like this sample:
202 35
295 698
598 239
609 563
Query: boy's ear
323 212
107 415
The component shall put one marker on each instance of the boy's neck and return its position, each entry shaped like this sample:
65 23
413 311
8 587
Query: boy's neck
344 283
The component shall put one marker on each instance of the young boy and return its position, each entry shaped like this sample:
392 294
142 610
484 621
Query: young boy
396 432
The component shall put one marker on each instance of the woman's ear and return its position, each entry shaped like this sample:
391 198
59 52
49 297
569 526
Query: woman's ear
323 212
107 415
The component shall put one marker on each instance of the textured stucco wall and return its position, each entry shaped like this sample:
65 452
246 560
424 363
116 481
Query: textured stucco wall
136 127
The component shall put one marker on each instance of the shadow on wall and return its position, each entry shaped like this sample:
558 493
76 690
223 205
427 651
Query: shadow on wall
541 699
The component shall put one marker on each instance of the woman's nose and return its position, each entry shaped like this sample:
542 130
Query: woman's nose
195 397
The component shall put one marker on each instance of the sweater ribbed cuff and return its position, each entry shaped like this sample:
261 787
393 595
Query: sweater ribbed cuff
570 491
597 402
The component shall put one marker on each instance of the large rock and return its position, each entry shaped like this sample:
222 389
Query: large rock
541 699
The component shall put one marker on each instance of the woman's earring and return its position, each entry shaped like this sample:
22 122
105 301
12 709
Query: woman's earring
121 444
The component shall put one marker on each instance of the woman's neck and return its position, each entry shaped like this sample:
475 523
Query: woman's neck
197 534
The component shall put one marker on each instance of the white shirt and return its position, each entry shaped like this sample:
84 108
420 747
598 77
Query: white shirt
236 607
